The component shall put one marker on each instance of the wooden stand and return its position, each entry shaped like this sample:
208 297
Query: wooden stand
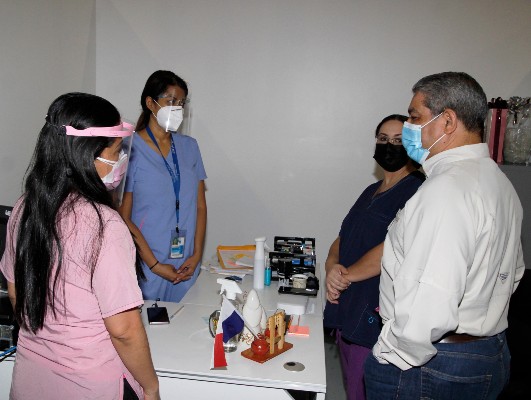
277 328
262 358
277 345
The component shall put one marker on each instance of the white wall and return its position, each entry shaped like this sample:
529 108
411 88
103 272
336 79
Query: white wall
47 48
285 94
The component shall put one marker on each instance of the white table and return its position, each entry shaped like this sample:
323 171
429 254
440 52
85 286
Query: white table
182 351
6 370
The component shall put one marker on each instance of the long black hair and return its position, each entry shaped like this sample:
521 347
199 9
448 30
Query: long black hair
155 86
61 172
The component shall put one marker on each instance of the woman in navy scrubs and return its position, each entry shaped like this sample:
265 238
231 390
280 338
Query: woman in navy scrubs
353 262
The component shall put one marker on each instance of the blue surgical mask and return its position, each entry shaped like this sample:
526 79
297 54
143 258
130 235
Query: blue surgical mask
412 141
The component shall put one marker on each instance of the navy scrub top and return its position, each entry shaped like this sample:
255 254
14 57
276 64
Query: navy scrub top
364 227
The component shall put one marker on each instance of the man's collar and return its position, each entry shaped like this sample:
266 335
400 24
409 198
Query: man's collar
479 150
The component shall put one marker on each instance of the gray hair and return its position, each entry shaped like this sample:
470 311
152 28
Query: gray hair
459 92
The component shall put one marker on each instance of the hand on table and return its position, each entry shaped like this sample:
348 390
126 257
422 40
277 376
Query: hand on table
336 282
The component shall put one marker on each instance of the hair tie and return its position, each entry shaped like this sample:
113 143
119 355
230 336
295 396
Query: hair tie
60 128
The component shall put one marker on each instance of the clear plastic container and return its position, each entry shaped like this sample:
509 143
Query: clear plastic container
6 336
517 142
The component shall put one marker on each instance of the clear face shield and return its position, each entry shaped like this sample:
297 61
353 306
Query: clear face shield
115 180
186 125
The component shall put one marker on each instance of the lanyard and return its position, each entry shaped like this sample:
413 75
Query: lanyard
175 175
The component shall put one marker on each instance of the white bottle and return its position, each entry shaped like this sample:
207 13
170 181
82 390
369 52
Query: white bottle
230 288
259 263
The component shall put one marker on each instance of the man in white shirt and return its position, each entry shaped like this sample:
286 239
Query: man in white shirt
452 257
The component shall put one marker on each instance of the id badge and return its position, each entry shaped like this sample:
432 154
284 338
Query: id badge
177 244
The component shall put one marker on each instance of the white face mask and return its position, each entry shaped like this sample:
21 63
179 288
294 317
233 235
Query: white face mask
169 117
113 178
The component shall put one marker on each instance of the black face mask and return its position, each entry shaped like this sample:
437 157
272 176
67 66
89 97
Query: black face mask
390 157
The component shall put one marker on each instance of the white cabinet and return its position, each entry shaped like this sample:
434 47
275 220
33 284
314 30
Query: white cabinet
6 370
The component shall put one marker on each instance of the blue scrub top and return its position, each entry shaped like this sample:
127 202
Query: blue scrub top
365 227
154 207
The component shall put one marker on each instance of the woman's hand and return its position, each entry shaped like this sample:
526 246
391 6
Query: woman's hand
336 282
187 269
166 271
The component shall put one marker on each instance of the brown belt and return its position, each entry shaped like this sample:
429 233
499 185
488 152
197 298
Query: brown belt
459 338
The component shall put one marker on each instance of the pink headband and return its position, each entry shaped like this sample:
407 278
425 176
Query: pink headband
122 130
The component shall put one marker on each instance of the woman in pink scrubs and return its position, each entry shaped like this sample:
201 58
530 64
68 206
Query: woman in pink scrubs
70 264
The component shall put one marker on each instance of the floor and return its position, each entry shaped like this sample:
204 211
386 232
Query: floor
518 334
334 380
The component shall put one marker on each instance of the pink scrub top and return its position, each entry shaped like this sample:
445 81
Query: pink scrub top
72 356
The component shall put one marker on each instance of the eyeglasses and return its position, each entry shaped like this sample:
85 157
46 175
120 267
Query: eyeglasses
383 139
172 101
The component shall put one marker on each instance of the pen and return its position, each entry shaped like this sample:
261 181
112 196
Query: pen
176 312
8 352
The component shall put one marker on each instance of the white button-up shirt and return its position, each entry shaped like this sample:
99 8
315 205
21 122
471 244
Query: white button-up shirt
452 257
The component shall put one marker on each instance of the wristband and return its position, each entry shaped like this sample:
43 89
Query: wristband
154 265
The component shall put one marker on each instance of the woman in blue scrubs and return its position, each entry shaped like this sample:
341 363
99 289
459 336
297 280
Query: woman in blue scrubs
164 200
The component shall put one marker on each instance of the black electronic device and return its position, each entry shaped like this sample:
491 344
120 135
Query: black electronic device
158 315
296 245
297 291
6 311
288 264
292 255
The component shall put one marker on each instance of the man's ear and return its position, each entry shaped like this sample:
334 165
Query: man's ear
450 118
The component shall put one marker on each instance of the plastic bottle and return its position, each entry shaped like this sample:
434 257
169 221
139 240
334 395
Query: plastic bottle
267 275
231 289
259 263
